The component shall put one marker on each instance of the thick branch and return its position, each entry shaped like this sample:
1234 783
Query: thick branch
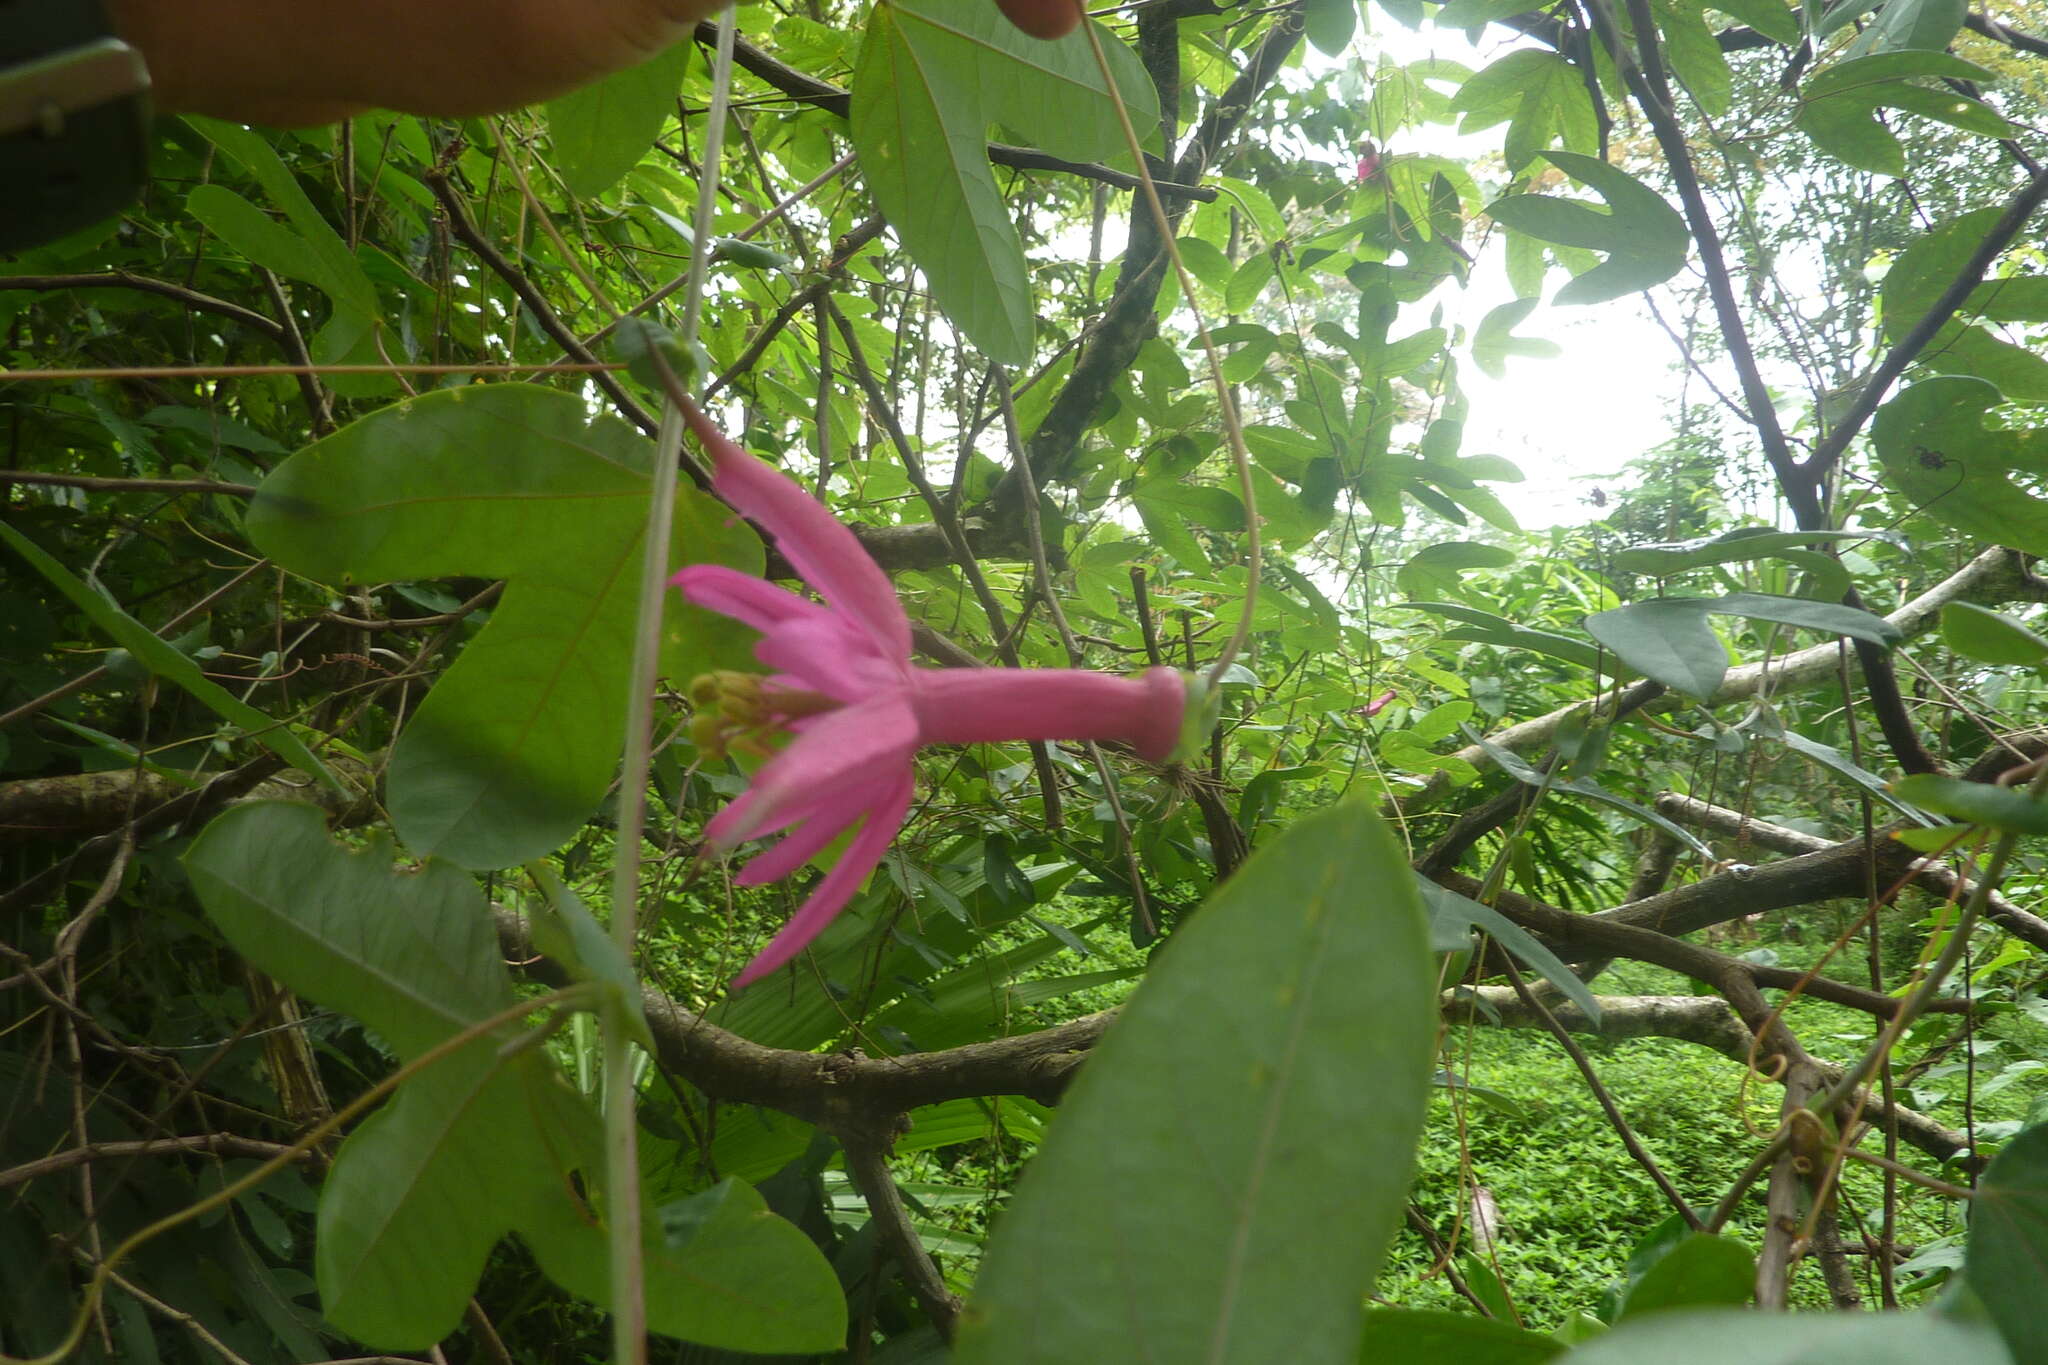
91 803
1577 937
1705 1020
1936 878
1997 575
841 1092
1128 321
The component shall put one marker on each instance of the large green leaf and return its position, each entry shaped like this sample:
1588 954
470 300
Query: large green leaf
1405 1336
1697 1271
1223 1180
1838 107
512 750
162 659
1668 638
481 1144
933 75
2008 1251
1733 1334
1980 803
1989 637
1938 453
1644 237
1540 95
601 131
1927 268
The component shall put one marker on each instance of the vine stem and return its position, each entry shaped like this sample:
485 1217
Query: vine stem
621 1123
8 376
1233 430
1853 1077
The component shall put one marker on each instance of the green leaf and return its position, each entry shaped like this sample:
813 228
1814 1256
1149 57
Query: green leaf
1695 56
1695 1336
565 930
482 1143
1668 638
1699 1271
1408 1336
1450 912
1836 761
1741 545
1987 636
1435 568
1249 281
601 131
412 954
2009 1243
311 250
1330 24
1645 238
1494 341
1769 17
169 663
1838 107
515 745
1319 945
1487 628
1938 452
1541 97
1980 803
932 76
1903 24
1167 529
1511 764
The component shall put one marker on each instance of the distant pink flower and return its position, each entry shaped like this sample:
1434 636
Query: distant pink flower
842 682
1377 704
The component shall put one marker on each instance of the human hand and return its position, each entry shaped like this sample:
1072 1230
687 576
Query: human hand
293 64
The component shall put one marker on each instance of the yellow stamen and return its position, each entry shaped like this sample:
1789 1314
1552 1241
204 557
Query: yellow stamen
737 712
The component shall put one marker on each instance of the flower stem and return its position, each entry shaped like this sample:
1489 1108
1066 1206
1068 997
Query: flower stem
621 1123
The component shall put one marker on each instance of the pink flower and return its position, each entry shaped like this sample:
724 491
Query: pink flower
1368 162
842 682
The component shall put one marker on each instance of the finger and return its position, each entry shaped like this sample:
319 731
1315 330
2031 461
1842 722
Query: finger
1043 18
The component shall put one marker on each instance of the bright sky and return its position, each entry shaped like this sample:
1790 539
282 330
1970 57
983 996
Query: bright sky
1567 422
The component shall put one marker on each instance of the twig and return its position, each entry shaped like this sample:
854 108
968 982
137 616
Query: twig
219 1144
100 485
460 224
1591 1076
942 514
870 1171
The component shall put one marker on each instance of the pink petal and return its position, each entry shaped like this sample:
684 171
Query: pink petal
857 744
749 600
814 542
836 888
830 819
990 705
829 655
